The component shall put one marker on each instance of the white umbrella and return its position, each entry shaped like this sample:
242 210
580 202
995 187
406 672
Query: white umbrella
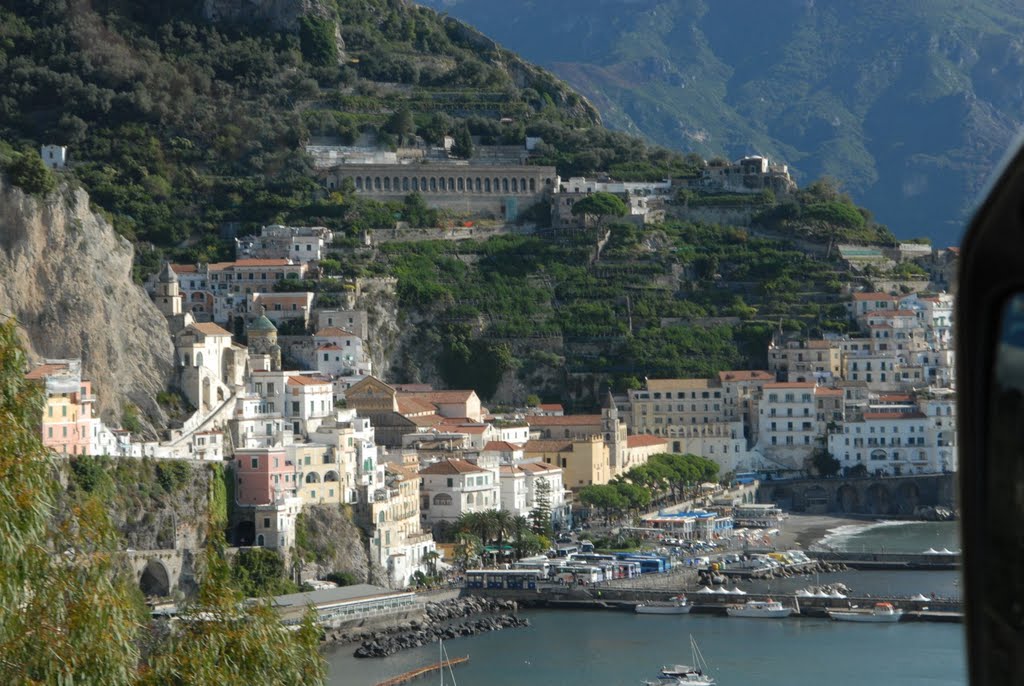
931 551
739 591
803 593
705 589
945 551
837 594
919 596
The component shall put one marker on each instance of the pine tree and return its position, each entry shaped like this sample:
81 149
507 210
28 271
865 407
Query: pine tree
540 515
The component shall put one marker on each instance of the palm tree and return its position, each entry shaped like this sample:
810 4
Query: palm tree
501 521
431 560
520 531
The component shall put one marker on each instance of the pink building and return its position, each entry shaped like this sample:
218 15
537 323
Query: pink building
68 423
265 476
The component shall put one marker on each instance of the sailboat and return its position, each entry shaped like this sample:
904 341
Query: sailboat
686 675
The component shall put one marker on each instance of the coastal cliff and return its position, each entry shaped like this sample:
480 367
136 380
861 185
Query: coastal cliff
67 280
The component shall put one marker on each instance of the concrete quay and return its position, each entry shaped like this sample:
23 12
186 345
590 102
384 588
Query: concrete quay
896 561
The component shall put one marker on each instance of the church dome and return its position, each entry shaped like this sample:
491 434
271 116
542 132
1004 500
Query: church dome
260 325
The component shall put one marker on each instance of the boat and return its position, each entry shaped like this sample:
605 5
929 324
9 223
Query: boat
674 606
686 675
759 608
880 613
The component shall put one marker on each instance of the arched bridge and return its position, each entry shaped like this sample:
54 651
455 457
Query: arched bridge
893 495
159 572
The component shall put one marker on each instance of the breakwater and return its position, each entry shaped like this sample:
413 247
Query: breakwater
447 619
890 561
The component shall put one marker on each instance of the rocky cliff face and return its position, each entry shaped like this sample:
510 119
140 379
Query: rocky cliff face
329 541
66 277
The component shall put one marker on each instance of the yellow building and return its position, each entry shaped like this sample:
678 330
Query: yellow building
391 515
318 476
583 461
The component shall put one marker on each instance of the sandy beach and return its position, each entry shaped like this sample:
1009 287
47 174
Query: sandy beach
801 530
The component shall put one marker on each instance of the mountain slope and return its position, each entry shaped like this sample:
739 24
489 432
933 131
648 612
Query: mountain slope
910 104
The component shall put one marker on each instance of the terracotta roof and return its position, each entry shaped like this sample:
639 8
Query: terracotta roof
644 440
538 467
548 446
425 419
790 384
184 268
509 469
329 346
471 428
209 329
267 262
333 331
746 375
895 397
552 407
453 396
564 420
672 384
450 466
415 406
828 391
306 380
45 370
502 446
894 415
874 296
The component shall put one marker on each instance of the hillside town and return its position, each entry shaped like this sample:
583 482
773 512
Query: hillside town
283 392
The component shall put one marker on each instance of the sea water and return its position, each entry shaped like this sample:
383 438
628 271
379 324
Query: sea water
600 647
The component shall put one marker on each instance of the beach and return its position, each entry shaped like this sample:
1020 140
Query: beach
803 530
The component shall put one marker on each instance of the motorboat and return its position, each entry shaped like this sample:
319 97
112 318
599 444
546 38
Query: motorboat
674 606
759 608
880 613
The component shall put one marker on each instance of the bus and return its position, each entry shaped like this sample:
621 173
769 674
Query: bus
503 578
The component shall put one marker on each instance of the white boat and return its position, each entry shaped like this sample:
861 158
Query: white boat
675 606
759 608
880 613
695 675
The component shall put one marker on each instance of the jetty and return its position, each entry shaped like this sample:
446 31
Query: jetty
937 561
412 674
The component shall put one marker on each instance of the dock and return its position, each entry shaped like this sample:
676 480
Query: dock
410 675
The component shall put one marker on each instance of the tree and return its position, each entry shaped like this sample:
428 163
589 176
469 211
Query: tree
401 124
540 515
463 143
260 572
824 464
600 205
604 497
71 612
29 173
317 40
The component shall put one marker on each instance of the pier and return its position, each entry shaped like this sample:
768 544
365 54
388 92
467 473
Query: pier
890 561
410 675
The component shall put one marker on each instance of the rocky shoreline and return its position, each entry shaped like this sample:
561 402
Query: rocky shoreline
708 578
440 621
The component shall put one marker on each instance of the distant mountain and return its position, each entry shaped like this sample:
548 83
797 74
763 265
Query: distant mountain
909 103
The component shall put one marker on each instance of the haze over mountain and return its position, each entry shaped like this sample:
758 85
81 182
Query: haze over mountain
909 104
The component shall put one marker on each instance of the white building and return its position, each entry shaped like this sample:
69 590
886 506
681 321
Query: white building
54 156
450 488
891 444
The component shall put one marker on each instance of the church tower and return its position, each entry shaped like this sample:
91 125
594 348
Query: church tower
614 431
168 293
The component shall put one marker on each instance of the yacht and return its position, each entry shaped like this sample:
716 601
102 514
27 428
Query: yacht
880 613
674 606
685 675
759 608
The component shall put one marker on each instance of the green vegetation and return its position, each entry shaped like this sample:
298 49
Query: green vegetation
260 572
28 171
76 616
601 205
665 475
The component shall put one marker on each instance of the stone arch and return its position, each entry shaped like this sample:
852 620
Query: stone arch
245 533
220 394
908 497
312 478
395 184
423 184
487 185
381 517
387 183
878 454
847 499
878 500
359 183
477 185
433 184
816 499
154 580
199 359
533 185
782 496
451 184
441 184
405 184
369 183
260 541
415 185
522 185
330 184
460 184
331 476
496 184
204 392
515 185
376 183
470 499
442 499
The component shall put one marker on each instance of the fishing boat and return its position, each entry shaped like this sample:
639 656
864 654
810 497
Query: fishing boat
759 608
685 675
674 606
880 613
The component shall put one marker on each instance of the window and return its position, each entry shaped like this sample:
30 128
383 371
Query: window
449 483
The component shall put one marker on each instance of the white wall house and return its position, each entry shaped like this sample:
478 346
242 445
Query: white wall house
890 444
54 156
451 487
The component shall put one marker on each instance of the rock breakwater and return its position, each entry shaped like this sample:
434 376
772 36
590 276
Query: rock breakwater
441 620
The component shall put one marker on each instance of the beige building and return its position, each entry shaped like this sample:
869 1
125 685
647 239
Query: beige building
320 478
583 461
665 404
806 360
391 516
